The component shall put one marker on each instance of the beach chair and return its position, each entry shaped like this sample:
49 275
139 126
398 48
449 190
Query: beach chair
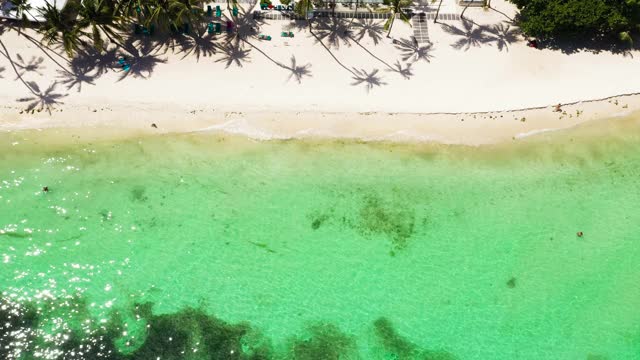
229 26
234 11
218 28
279 7
210 28
264 37
264 6
218 11
209 11
290 7
126 67
286 34
185 28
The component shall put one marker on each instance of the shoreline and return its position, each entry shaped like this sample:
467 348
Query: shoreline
464 128
366 87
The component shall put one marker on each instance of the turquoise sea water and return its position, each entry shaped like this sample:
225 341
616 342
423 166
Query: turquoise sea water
210 247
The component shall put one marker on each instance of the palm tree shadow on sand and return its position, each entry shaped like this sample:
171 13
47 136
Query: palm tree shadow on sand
80 72
369 79
298 72
33 65
412 51
469 35
2 69
405 71
503 35
234 53
372 29
200 46
42 100
142 64
333 31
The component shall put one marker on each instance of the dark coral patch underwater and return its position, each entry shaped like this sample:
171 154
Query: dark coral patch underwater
64 329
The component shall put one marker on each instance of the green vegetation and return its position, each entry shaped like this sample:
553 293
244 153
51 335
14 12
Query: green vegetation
586 20
86 22
395 7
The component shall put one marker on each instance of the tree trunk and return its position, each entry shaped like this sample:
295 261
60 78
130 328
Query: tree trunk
307 14
393 19
435 20
354 14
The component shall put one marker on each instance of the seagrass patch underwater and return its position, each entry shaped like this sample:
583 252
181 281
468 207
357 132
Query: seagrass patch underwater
202 246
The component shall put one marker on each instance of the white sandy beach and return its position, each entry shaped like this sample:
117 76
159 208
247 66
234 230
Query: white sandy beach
458 96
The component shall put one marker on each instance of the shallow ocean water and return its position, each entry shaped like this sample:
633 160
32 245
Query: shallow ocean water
201 246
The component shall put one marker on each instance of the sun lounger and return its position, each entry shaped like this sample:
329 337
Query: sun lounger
210 28
218 11
234 11
209 11
286 34
185 28
264 37
126 67
218 28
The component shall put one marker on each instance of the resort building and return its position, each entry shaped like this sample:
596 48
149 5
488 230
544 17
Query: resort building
9 11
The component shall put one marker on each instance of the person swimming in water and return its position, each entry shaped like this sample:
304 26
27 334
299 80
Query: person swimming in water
45 189
580 234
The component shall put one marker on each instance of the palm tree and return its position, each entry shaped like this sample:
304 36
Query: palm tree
156 12
395 9
186 11
355 13
56 28
23 7
100 16
302 8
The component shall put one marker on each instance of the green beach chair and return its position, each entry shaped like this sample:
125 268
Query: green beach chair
210 28
209 11
218 28
218 11
234 11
